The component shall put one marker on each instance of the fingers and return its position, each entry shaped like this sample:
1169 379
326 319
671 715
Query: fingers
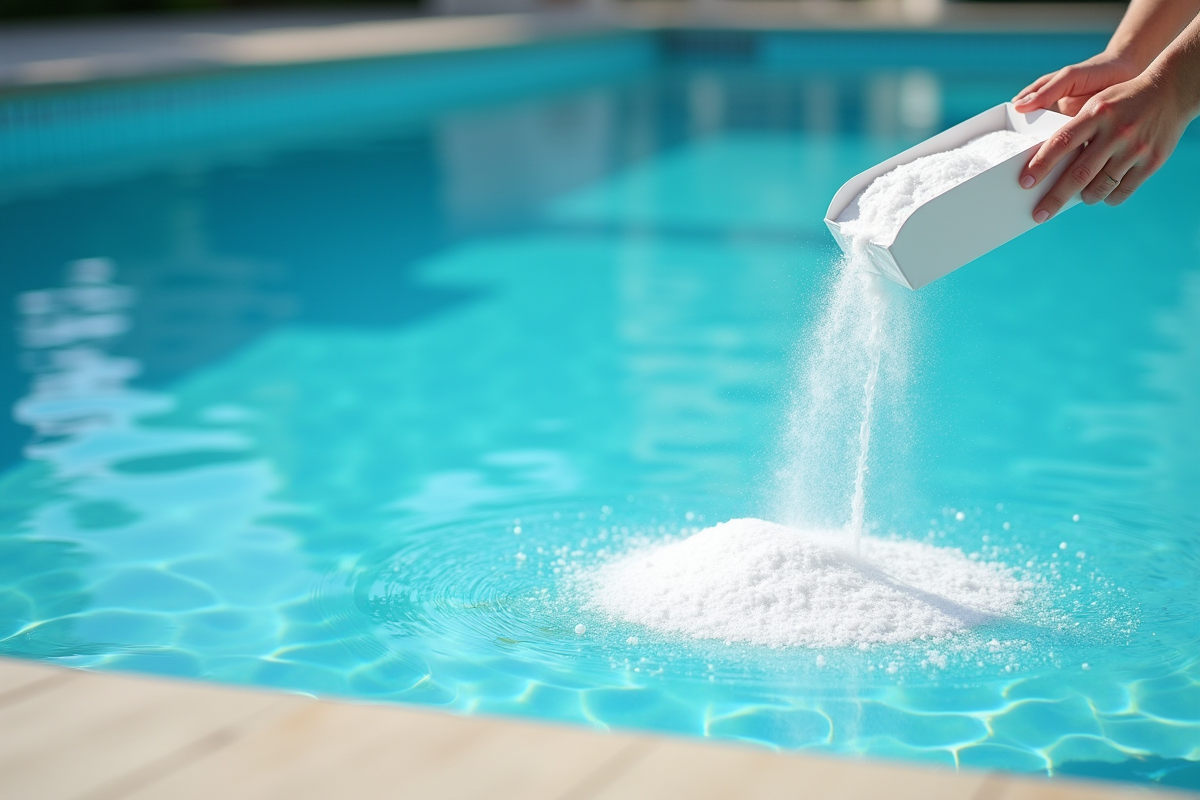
1101 186
1072 105
1148 162
1133 179
1061 84
1107 179
1073 135
1033 87
1081 172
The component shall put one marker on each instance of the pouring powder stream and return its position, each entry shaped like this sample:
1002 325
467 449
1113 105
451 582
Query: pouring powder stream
856 352
876 215
877 304
858 329
805 582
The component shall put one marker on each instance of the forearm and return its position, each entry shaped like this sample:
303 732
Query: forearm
1178 67
1148 27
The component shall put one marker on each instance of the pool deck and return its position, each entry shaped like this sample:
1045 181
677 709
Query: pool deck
38 54
74 735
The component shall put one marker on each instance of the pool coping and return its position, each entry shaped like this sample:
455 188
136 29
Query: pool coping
71 734
71 53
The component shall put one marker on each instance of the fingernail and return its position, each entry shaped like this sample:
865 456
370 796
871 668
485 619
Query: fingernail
1026 98
1041 215
1027 181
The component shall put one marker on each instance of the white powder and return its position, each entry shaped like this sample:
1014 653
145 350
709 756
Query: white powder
758 582
748 580
852 364
859 330
877 214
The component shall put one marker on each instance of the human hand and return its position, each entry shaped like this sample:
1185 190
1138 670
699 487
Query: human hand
1068 89
1117 140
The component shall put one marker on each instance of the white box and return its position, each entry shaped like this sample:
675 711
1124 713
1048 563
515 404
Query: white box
966 221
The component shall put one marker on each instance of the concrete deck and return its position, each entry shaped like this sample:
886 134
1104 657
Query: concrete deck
936 15
74 52
35 54
73 735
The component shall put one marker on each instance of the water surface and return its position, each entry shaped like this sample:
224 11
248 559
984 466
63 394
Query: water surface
333 408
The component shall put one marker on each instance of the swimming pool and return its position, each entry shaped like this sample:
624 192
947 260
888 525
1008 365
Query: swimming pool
322 379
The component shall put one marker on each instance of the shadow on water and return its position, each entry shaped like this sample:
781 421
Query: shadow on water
225 256
328 229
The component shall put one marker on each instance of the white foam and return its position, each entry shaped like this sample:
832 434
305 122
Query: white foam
752 581
878 212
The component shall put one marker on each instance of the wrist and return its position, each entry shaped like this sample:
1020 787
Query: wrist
1178 75
1129 55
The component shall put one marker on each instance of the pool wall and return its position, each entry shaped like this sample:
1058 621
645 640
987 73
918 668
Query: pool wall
114 125
145 121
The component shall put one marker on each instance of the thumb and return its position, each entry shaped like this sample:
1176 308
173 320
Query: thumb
1071 105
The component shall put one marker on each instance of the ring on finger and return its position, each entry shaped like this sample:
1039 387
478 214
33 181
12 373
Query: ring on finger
1113 180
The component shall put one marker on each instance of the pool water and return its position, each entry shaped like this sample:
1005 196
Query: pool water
335 398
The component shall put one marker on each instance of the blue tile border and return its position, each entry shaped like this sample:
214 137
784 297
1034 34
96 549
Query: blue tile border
48 129
43 127
841 50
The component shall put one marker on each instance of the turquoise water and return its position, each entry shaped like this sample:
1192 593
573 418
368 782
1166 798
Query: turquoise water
332 402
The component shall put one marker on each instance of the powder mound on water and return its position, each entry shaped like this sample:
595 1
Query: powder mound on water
748 580
877 214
